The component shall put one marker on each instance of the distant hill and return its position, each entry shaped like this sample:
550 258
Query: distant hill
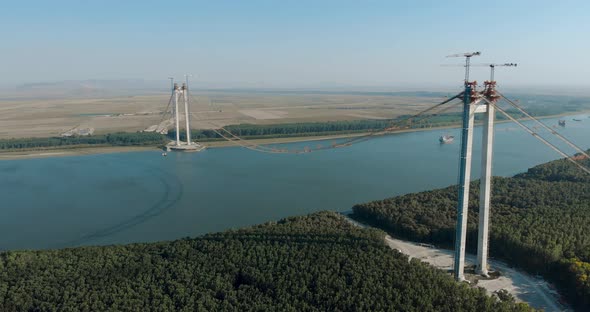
318 262
540 221
91 88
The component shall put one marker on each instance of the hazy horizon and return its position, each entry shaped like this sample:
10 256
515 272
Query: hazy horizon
304 44
131 87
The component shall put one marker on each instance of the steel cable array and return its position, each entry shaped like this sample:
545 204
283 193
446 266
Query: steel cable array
557 134
540 138
396 125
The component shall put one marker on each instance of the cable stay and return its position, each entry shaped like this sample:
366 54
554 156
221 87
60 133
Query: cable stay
391 127
552 131
540 138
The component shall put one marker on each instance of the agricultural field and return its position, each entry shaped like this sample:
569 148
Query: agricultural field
39 116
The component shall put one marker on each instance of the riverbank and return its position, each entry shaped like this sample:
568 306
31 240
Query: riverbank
90 150
76 151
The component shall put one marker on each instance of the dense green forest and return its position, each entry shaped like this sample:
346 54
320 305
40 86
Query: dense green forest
111 139
318 262
540 221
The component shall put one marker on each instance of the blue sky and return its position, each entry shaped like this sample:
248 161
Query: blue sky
294 43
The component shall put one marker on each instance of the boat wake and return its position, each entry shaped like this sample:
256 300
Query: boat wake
173 191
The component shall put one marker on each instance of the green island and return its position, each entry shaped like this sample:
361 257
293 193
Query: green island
540 222
318 262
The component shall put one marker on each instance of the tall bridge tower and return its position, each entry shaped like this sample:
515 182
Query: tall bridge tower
181 93
472 104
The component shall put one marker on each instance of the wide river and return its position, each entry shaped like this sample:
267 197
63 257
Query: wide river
142 196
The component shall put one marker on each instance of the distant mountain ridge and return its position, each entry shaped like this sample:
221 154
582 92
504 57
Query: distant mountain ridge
90 88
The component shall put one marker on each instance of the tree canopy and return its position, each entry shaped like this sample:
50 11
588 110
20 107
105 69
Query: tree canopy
318 262
540 221
111 139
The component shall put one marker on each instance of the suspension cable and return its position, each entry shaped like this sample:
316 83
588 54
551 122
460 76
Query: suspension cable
244 140
166 110
246 144
391 127
253 147
568 142
536 135
394 125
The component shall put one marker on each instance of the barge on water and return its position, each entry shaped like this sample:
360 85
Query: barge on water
446 139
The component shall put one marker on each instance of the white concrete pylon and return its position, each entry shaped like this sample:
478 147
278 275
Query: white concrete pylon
464 181
485 187
185 95
176 94
485 190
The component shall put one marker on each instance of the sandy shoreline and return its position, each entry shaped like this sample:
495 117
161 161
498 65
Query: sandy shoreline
72 152
78 151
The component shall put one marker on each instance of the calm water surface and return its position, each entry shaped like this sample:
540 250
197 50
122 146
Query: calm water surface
142 196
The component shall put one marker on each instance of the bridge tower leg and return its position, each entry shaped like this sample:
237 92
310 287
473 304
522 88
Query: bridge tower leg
464 180
484 191
186 113
176 115
486 180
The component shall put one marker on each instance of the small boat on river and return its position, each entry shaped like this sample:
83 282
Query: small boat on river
446 139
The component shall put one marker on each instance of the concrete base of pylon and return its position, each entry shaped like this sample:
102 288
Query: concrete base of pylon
184 147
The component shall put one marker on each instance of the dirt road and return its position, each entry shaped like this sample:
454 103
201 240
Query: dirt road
525 288
534 291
